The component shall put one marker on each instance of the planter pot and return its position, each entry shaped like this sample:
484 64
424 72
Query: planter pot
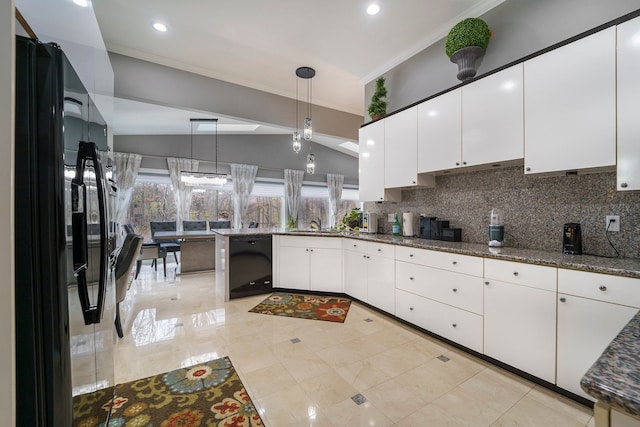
377 116
466 59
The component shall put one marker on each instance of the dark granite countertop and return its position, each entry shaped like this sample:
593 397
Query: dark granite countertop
628 267
615 377
246 231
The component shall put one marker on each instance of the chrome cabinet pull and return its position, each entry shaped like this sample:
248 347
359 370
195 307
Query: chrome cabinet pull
563 299
410 308
410 278
602 288
624 185
410 255
486 283
455 262
455 325
455 290
515 273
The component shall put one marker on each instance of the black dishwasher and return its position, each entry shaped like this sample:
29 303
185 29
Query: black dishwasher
249 265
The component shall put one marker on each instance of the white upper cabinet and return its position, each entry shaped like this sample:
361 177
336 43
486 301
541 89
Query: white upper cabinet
401 147
628 98
440 133
570 106
371 165
492 118
371 176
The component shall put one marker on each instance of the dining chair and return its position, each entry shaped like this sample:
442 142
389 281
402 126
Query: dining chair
167 245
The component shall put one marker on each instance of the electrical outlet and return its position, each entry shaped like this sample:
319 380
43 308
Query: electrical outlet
612 223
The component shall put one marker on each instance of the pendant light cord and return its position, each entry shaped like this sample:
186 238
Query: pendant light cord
296 120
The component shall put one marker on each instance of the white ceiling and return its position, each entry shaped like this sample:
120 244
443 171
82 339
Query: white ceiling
260 43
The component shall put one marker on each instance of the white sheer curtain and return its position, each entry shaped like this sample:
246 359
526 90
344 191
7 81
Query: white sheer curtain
243 177
181 192
292 189
126 166
334 185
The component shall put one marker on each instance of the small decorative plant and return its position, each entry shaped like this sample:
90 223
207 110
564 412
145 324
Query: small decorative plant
350 220
378 106
468 32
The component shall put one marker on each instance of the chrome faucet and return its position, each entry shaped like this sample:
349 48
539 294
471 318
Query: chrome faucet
316 223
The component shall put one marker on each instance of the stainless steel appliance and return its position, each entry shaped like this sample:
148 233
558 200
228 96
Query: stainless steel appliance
368 222
64 328
572 239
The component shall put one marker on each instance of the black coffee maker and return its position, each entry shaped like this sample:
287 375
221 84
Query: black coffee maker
572 239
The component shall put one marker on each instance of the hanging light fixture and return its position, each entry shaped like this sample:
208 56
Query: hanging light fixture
307 73
297 144
204 179
311 164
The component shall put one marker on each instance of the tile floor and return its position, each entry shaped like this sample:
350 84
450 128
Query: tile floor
392 370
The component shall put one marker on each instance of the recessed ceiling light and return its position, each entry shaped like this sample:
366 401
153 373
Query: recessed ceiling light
82 3
159 26
373 9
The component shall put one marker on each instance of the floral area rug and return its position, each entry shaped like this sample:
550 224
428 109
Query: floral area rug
208 394
305 307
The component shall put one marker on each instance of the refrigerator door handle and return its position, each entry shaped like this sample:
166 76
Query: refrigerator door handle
87 151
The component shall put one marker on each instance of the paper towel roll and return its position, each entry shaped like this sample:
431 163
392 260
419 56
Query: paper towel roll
407 224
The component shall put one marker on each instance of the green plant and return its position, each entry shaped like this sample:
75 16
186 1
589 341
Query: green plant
349 219
378 105
468 32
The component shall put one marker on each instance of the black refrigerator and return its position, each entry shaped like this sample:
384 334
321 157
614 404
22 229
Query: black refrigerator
64 291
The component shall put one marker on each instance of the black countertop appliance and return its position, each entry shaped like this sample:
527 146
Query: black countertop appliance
572 239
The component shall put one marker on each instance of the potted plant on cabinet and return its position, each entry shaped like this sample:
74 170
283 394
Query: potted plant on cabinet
378 106
466 43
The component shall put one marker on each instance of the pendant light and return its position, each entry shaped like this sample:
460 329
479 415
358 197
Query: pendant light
311 164
307 73
297 143
204 179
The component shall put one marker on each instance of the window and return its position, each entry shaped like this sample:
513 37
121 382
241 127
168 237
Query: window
152 200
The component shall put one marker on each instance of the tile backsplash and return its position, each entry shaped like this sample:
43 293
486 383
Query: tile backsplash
535 208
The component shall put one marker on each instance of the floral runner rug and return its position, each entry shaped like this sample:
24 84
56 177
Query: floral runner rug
206 394
305 307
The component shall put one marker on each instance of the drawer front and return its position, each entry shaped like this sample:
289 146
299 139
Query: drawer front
449 322
602 287
311 242
535 276
444 260
354 245
381 249
459 290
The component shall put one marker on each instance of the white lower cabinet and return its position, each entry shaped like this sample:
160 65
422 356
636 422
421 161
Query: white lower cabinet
355 274
457 325
520 316
520 327
585 329
310 263
369 273
590 315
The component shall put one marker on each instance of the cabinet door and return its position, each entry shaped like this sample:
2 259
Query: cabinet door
371 176
570 106
520 327
440 133
325 267
381 283
401 149
585 329
355 274
492 118
294 267
628 96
